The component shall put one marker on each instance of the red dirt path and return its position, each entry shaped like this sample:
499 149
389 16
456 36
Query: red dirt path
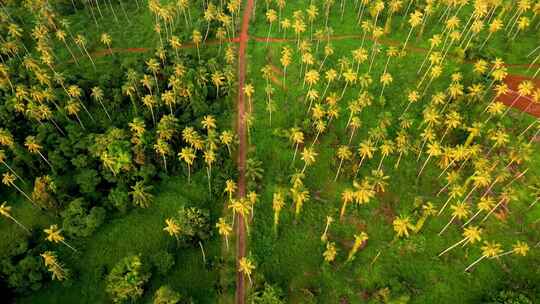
524 102
242 150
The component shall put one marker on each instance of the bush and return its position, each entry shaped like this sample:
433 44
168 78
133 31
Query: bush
195 223
118 198
269 295
126 280
162 261
78 221
509 297
165 295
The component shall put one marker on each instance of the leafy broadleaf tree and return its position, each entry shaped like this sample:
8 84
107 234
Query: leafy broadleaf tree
126 280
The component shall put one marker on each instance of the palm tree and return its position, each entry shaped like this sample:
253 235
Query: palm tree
459 211
224 230
415 19
6 138
330 253
525 88
188 156
209 158
343 153
249 90
172 228
347 196
277 204
489 250
324 236
386 149
308 156
56 268
61 35
3 161
107 41
359 240
54 235
485 204
495 26
246 267
80 41
471 235
162 148
196 38
271 17
299 196
434 149
402 224
34 147
519 248
364 192
366 150
97 94
5 211
227 138
8 179
230 188
140 193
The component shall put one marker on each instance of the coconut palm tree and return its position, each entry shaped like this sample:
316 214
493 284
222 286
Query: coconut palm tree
489 250
366 150
34 147
299 196
343 153
485 204
364 192
54 235
80 41
196 38
308 156
330 253
415 19
519 248
8 179
459 211
172 228
347 196
277 204
230 188
359 240
188 156
402 225
471 235
61 35
5 211
3 161
434 149
246 267
140 194
271 17
97 94
324 236
525 88
209 158
59 272
107 41
224 230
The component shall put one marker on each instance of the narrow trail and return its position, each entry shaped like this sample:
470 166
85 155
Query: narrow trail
242 149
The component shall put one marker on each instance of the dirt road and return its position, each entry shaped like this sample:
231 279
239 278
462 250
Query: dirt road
242 149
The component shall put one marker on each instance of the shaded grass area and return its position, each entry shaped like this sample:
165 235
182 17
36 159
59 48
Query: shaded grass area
293 260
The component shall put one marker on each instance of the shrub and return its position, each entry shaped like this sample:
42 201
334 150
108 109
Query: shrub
166 295
78 221
126 280
162 261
